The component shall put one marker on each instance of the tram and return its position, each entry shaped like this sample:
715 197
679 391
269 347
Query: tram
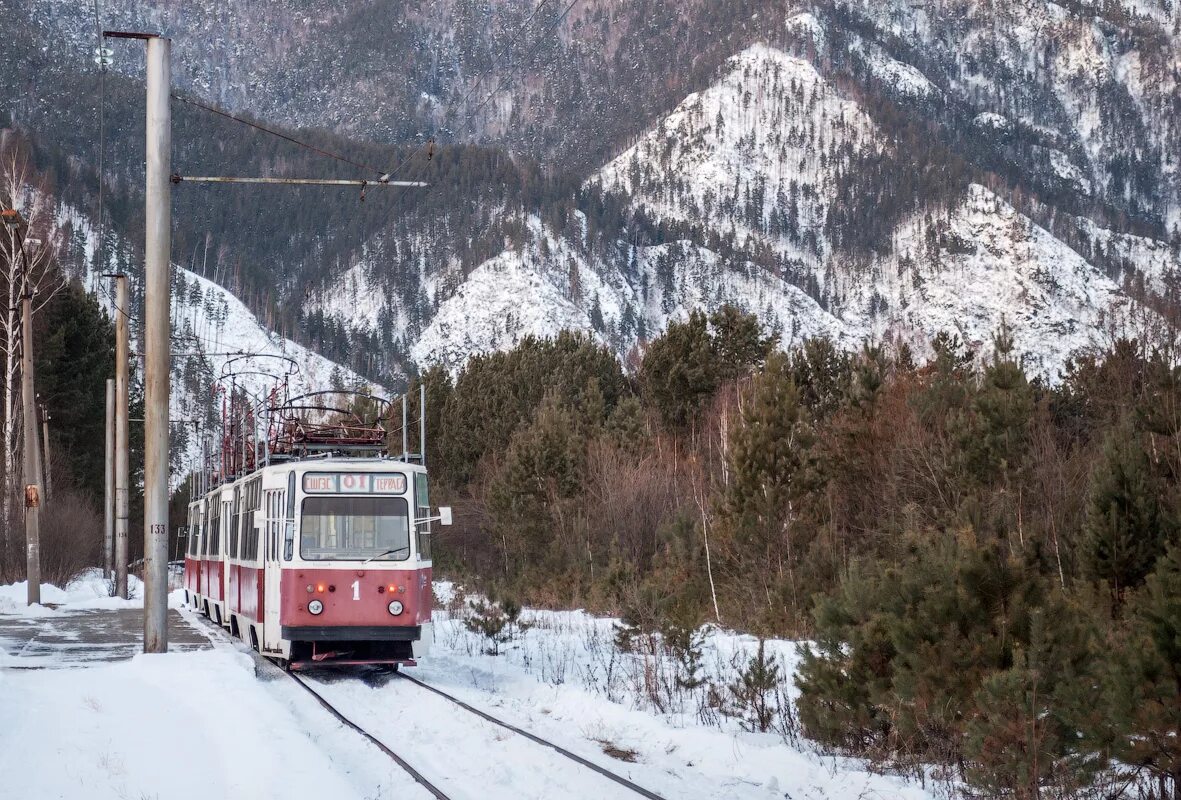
318 551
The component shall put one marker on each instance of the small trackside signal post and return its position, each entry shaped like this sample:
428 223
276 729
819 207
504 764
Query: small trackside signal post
45 451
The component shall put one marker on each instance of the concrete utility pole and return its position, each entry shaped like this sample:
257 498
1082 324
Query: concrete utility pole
109 495
32 462
122 429
157 341
45 452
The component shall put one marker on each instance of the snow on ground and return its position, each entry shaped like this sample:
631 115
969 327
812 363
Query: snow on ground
562 679
174 726
89 591
170 726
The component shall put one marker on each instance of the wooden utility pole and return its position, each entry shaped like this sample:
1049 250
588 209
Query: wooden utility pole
32 462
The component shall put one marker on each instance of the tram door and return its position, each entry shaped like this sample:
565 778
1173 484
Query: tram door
272 634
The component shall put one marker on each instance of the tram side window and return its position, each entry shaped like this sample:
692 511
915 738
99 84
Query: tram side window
289 521
249 533
422 501
194 533
210 528
234 526
249 526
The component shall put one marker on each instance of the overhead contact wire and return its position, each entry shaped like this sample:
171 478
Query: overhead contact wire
280 134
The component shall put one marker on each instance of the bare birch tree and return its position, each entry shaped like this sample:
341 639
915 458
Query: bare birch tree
33 271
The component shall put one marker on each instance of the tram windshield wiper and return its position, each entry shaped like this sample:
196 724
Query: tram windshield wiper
405 548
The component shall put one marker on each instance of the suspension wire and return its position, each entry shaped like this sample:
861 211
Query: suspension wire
470 117
272 132
496 61
540 41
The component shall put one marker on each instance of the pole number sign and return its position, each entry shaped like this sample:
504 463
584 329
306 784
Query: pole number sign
353 483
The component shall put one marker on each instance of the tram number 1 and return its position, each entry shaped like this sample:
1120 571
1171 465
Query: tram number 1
357 590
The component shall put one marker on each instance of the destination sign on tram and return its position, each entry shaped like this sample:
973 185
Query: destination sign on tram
353 483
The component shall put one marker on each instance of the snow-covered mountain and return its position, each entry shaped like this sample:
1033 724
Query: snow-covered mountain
749 168
848 168
213 334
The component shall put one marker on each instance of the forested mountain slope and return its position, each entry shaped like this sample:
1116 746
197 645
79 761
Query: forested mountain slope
881 170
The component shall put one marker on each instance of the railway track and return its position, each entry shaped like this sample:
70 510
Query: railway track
419 778
406 766
606 773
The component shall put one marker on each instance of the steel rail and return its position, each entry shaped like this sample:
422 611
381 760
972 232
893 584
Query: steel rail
606 773
434 790
373 740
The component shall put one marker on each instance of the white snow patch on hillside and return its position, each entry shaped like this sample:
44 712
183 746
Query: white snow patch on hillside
1158 262
502 301
994 265
210 320
549 286
227 329
990 119
354 298
698 279
770 134
806 23
1067 170
905 79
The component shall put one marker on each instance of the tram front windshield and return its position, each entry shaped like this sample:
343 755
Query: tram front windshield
354 528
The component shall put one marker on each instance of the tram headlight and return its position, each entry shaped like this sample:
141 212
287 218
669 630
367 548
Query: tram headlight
315 607
396 607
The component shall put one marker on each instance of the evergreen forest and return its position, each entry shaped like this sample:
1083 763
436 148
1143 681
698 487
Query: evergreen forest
987 568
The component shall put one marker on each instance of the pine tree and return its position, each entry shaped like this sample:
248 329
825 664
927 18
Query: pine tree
1144 680
738 342
679 370
75 354
1123 534
998 436
543 468
769 456
1022 738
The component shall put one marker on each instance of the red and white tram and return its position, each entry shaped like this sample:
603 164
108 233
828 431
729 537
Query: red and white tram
318 560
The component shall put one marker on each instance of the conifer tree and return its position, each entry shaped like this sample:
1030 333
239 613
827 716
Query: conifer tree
1123 534
679 371
1144 681
1022 738
75 354
543 468
998 437
769 455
